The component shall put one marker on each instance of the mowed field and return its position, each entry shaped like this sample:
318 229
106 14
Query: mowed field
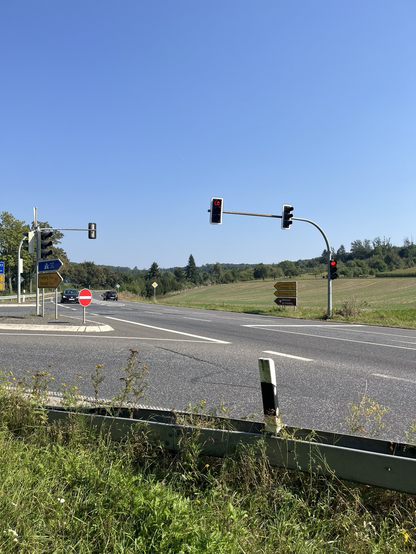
368 293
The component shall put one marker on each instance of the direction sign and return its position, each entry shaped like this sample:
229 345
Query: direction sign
286 285
84 297
285 293
50 265
49 280
285 301
1 267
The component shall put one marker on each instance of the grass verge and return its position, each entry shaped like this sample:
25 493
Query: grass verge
64 489
387 302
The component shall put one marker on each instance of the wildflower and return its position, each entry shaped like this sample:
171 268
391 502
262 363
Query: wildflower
14 504
61 500
12 532
405 534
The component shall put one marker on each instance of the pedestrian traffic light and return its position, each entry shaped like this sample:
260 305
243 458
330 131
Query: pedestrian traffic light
215 215
30 244
43 244
287 215
92 231
333 269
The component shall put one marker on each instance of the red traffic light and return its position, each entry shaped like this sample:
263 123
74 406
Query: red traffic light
216 211
332 263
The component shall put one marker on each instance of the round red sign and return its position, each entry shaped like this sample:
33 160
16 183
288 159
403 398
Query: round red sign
84 297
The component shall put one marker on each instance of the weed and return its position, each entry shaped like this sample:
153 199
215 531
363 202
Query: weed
134 383
365 416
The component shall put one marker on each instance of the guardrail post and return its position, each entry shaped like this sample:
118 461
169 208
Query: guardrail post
269 395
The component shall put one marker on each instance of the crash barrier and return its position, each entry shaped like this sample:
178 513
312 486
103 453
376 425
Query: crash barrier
361 460
364 460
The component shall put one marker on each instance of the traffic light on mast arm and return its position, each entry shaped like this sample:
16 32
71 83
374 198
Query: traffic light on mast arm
30 244
333 269
92 231
215 215
287 215
43 244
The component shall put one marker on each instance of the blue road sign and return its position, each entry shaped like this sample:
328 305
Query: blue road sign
1 268
49 265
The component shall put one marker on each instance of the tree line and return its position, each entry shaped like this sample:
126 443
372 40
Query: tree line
365 258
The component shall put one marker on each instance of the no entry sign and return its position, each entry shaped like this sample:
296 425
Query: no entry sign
84 297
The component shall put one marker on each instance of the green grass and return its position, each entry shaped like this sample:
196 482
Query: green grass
66 490
370 300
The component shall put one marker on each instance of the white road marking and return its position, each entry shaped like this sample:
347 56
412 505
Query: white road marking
288 356
394 378
302 325
341 339
197 319
169 330
107 337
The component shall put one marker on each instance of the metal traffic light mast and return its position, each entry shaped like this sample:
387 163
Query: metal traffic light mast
286 218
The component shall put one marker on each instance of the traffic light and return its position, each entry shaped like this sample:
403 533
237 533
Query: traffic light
30 244
43 244
333 269
215 215
287 215
92 231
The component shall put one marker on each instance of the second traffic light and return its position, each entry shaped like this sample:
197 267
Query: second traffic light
30 244
287 215
92 231
215 215
43 244
333 269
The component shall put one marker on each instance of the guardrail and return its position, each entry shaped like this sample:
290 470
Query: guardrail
373 462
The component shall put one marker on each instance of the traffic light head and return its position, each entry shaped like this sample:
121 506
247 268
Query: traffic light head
44 243
287 215
215 215
333 269
92 231
30 244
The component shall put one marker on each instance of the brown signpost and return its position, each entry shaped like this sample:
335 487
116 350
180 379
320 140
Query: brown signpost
286 293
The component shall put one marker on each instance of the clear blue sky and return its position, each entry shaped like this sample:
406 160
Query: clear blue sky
133 113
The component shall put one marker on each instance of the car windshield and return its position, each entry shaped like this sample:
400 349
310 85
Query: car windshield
70 291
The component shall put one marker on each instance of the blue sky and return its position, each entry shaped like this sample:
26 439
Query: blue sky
132 114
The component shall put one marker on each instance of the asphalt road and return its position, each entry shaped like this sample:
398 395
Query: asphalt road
194 355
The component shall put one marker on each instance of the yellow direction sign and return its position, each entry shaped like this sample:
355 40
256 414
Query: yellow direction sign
285 293
286 285
49 280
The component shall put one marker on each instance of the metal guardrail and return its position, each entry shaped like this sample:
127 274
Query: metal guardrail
373 462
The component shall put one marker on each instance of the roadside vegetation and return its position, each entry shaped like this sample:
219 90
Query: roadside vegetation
65 489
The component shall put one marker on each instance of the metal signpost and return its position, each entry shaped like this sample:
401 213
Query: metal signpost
154 285
49 278
1 275
84 299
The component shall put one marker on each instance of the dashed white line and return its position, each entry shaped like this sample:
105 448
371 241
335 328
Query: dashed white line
287 356
197 319
393 378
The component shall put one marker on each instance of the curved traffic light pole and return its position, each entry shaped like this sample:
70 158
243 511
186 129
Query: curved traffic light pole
328 249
